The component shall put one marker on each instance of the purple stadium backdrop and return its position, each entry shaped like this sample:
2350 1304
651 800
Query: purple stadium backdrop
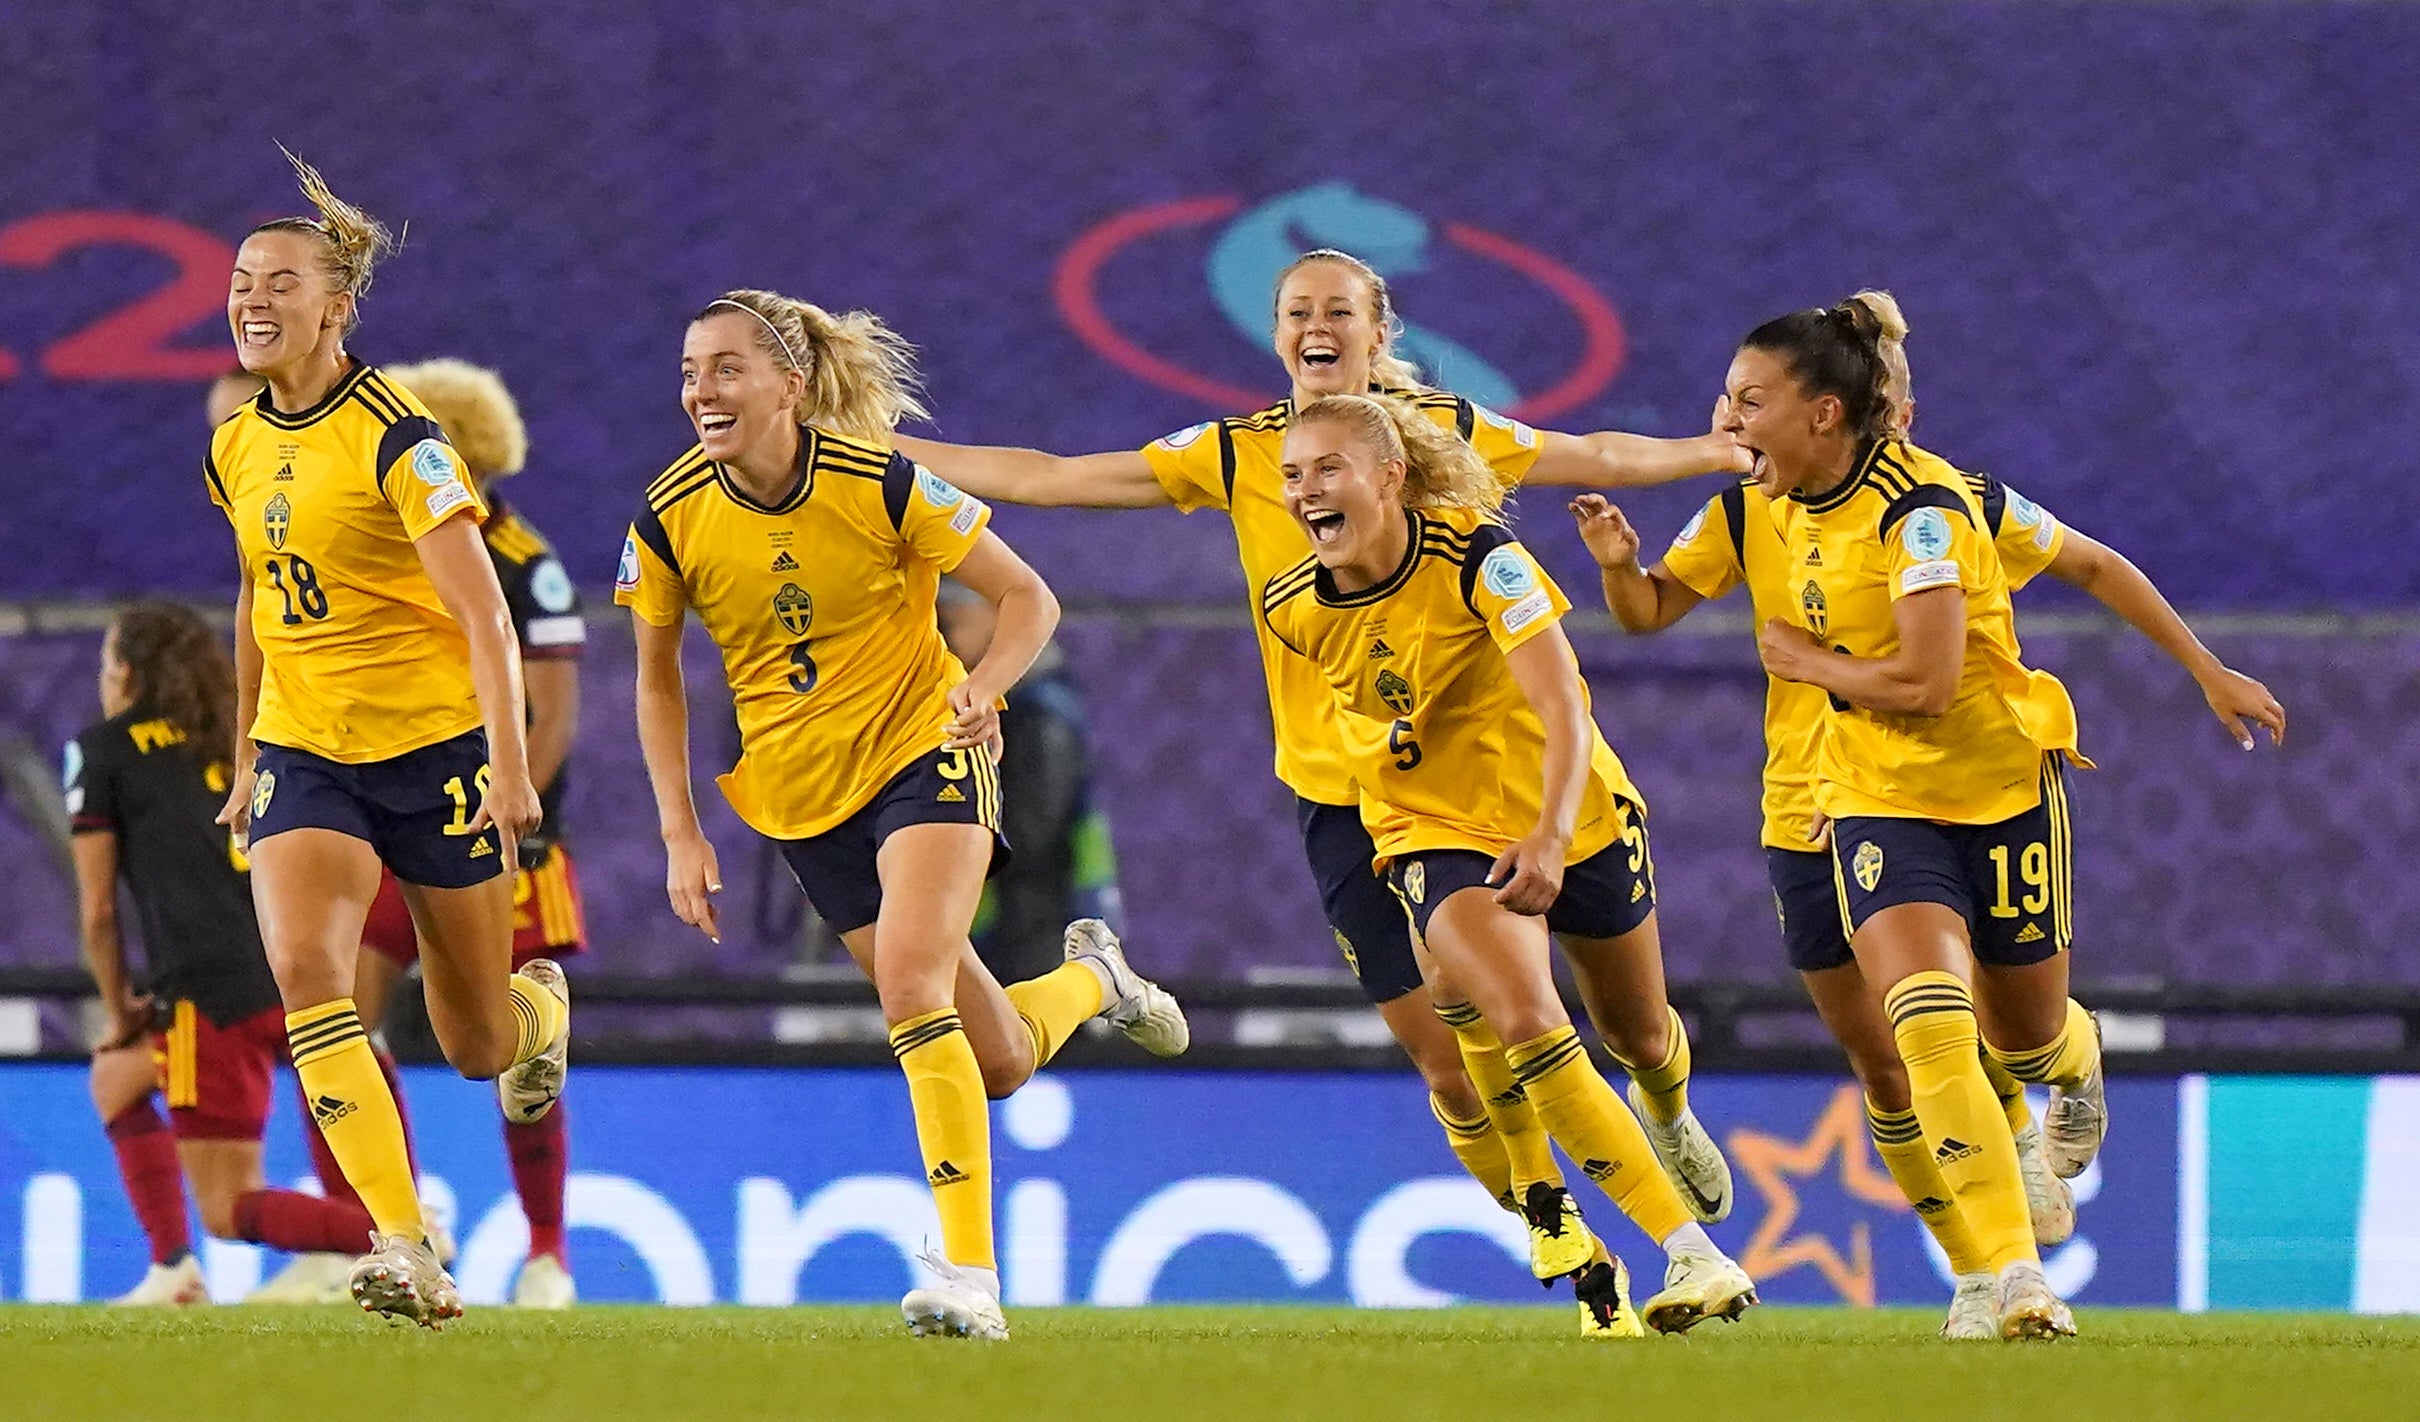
2158 259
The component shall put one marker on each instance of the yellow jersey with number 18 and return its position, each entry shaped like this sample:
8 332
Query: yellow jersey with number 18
1443 744
1235 464
1732 541
360 661
822 604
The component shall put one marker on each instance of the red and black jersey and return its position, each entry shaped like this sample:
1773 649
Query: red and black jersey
545 609
134 776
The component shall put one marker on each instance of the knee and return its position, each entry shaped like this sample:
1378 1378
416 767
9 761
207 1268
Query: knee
1002 1078
482 1058
1453 1091
1638 1038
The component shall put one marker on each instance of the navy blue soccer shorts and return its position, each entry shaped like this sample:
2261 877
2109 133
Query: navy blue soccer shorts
414 809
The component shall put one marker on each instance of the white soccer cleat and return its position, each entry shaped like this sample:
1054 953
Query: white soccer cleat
2027 1309
2048 1199
2073 1127
544 1283
401 1278
307 1279
955 1305
1974 1311
528 1091
1140 1008
1690 1157
177 1285
1698 1287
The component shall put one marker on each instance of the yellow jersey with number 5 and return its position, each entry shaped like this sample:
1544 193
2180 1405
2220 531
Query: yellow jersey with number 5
1235 464
822 604
1732 541
1442 743
360 661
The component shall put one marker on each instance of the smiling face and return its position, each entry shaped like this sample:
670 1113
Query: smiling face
1792 439
738 398
282 307
1328 330
1347 497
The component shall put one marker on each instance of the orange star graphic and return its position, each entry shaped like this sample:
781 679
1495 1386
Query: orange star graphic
1840 1131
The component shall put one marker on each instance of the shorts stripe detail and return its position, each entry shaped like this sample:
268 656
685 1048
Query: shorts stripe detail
1840 892
184 1072
908 1039
987 789
2062 851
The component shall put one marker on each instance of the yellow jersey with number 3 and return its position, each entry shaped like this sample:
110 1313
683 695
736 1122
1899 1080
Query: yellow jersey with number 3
1732 540
360 661
1235 464
1444 747
1906 522
822 604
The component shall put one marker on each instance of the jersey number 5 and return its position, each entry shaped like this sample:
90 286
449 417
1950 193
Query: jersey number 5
1399 740
297 582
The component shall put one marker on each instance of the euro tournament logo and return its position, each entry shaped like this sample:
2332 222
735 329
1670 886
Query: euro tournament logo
1482 280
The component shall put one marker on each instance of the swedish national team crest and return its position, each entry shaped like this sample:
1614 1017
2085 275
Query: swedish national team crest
276 518
1866 864
1395 692
1818 613
795 609
262 789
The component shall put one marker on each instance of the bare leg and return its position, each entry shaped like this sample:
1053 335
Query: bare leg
466 965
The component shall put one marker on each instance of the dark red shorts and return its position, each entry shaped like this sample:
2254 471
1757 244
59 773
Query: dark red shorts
547 922
217 1078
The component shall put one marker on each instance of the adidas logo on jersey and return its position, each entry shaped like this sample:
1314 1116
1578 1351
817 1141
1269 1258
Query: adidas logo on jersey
1815 557
784 563
1953 1148
328 1110
2030 933
285 474
951 795
1380 651
482 847
946 1174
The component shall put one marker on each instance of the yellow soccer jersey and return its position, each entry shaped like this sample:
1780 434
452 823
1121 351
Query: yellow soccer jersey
823 608
1445 748
1732 541
360 659
1235 464
1903 523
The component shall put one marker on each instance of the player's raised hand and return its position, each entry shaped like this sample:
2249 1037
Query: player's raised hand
2235 698
1610 538
1531 873
692 878
975 720
510 803
1784 647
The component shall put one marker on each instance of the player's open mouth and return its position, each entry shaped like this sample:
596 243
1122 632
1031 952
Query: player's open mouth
259 333
716 424
1320 357
1325 525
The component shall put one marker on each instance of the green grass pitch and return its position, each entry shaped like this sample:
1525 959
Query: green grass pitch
1235 1364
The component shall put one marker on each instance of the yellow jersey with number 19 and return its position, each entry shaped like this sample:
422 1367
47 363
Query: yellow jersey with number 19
822 604
1235 464
360 661
1906 522
1443 745
1732 541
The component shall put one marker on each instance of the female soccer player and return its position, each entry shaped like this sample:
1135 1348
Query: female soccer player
1481 775
143 786
1731 542
1334 327
376 674
812 554
484 424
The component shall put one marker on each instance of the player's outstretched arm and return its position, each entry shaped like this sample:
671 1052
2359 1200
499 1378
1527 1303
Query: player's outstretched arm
692 877
2125 590
1642 600
456 561
1610 459
1119 479
1548 674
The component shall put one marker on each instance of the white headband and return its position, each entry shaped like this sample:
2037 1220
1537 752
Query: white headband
762 320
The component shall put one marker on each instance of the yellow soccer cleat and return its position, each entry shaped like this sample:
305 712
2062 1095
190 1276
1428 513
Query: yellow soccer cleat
1698 1287
1604 1293
1559 1241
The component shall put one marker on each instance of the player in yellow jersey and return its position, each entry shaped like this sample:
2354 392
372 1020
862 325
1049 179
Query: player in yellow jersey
1334 327
372 648
812 552
1731 542
1481 776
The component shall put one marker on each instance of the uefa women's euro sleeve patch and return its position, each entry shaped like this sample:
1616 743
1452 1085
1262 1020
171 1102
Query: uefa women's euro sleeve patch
942 521
1514 596
434 464
1930 546
644 583
1190 467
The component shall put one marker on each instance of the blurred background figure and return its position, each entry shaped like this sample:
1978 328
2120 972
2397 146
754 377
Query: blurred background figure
1065 867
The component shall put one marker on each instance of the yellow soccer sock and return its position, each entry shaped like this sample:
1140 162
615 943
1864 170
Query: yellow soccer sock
537 1016
953 1129
2011 1093
1480 1149
356 1113
2065 1060
1054 1005
1528 1148
1587 1118
1933 1020
1899 1140
1666 1085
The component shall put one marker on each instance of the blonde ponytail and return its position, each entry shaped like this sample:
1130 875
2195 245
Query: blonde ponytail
1388 371
1439 470
353 242
861 375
